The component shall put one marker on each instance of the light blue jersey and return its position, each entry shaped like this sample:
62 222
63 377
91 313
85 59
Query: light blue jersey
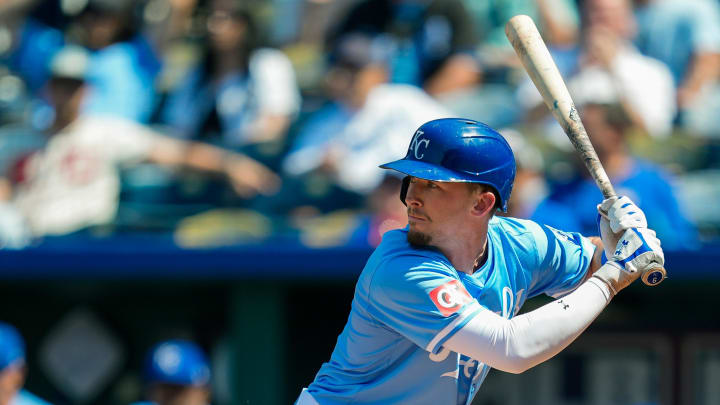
409 301
26 398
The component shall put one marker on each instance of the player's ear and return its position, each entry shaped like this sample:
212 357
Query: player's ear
484 203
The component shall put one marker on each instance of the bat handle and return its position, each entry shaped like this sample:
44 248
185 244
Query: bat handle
607 190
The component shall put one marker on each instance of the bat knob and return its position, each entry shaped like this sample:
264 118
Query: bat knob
654 277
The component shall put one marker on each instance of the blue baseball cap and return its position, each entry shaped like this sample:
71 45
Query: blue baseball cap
177 362
460 150
12 346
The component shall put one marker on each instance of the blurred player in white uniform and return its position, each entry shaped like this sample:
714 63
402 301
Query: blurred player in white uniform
74 181
435 307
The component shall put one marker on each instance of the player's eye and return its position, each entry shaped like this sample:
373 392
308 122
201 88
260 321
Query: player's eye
424 183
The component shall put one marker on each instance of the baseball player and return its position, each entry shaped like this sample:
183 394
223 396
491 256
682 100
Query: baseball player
177 373
13 369
435 307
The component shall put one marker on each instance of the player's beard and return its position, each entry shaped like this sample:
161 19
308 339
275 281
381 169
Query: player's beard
418 239
415 237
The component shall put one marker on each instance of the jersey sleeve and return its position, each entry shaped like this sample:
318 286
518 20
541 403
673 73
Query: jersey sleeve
422 300
560 260
122 141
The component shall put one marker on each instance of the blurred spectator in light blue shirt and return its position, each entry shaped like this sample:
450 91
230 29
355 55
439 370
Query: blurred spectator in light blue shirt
685 35
13 369
123 64
647 184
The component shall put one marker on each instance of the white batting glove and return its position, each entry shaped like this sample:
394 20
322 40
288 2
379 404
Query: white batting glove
622 214
617 214
637 251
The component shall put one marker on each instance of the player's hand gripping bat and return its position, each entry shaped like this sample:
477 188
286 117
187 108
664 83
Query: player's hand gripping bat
536 59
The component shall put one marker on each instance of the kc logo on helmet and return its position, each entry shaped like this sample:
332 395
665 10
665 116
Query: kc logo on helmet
450 297
416 143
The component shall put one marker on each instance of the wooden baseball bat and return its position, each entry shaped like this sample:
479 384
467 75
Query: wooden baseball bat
535 57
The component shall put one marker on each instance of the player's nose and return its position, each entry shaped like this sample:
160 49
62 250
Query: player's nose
412 198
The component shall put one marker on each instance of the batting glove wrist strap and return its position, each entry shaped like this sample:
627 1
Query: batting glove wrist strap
604 286
614 277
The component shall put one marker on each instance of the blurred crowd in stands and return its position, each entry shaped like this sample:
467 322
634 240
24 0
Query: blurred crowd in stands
236 121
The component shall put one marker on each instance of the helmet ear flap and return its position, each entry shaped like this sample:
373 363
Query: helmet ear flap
404 189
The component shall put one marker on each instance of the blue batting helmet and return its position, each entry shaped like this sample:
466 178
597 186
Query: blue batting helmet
12 346
460 150
177 362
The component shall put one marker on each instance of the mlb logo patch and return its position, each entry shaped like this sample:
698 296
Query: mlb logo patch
450 297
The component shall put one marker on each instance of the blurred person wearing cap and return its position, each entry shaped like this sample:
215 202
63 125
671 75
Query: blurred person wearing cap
176 373
13 369
73 182
239 93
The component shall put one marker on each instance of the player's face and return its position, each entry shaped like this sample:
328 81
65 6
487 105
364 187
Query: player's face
11 380
168 394
436 210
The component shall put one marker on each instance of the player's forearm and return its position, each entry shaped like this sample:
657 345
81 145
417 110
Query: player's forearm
196 155
527 340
